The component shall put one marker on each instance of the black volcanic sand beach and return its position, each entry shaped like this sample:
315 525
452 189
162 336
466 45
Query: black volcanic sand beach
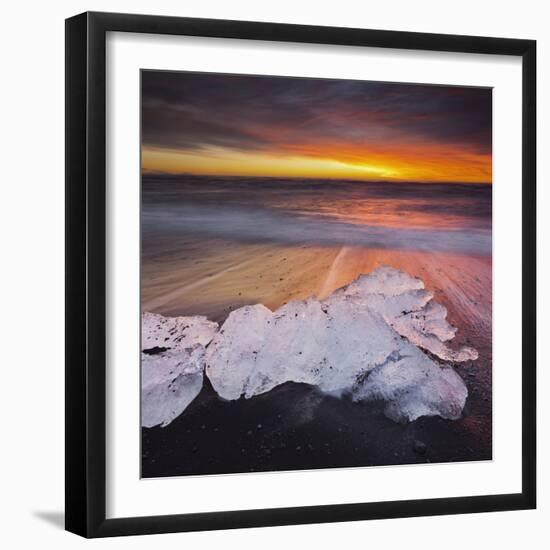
295 427
212 246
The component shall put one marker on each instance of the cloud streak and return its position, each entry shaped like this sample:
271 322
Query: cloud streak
409 130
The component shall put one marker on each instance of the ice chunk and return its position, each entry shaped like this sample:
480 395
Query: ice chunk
175 333
346 343
172 364
322 344
231 357
384 280
412 385
429 329
169 382
407 307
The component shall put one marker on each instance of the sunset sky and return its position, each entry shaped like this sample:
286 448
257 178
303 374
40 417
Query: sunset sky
202 123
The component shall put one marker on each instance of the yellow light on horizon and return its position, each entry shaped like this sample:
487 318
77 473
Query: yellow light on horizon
426 165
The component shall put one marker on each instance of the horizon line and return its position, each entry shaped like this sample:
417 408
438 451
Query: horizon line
145 173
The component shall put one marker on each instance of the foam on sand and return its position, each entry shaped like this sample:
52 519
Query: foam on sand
365 340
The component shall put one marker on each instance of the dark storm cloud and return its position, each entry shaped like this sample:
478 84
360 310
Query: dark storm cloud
193 111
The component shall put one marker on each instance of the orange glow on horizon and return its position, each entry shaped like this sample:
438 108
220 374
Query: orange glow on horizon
402 162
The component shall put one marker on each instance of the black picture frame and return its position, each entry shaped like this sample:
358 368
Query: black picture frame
86 274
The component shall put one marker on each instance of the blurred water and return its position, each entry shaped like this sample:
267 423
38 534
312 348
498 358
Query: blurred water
412 216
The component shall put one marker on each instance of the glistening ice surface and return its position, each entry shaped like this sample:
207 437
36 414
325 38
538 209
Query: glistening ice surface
364 340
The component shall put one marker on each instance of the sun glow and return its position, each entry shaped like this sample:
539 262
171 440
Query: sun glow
431 164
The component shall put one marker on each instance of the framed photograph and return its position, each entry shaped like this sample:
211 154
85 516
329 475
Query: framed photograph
300 274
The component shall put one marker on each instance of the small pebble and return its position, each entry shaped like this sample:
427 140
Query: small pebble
420 447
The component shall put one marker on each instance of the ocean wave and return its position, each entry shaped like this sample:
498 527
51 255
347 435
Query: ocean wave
262 224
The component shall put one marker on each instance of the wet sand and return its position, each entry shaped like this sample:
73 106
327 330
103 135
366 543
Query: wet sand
300 428
228 276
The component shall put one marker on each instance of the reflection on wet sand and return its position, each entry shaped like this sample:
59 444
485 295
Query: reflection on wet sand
231 276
